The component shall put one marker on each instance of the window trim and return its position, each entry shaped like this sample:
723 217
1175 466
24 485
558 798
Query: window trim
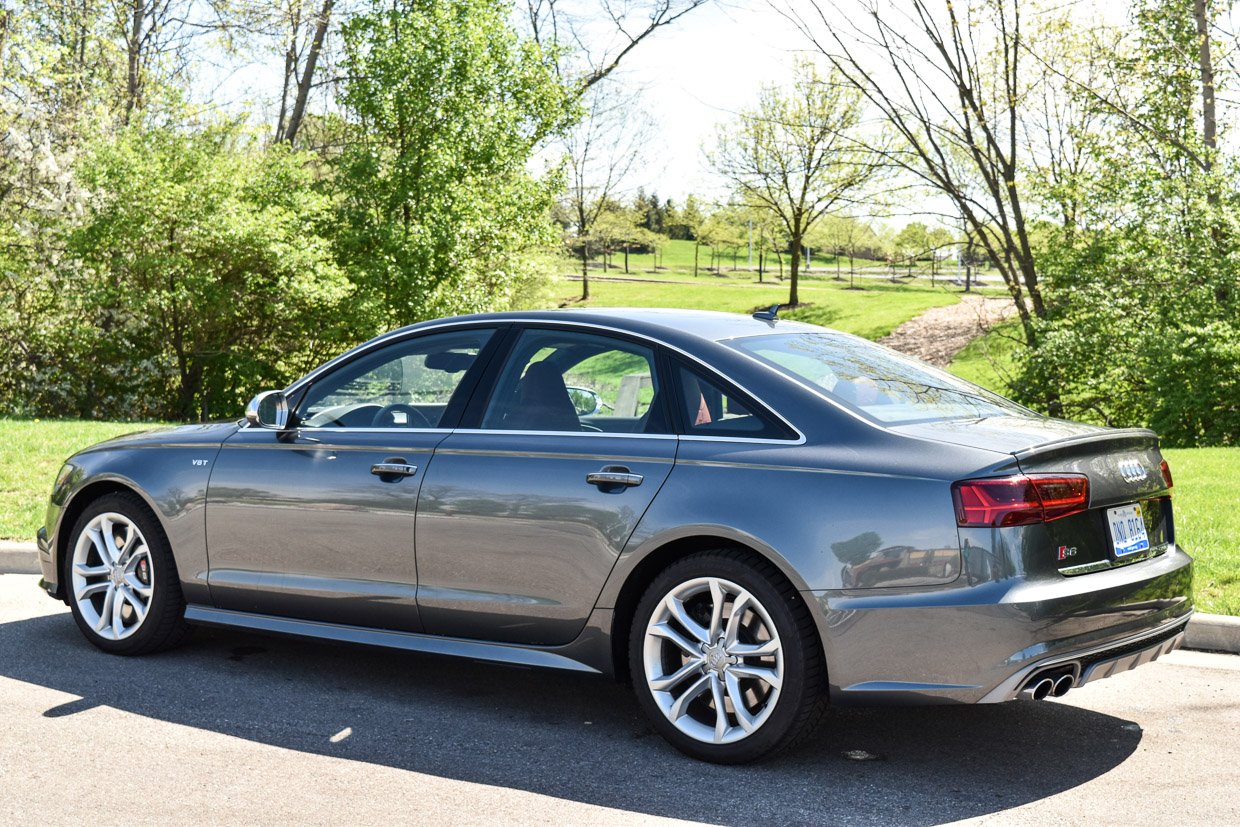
480 402
733 390
506 328
457 402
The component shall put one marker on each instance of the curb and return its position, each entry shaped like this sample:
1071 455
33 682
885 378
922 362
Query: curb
1211 633
19 558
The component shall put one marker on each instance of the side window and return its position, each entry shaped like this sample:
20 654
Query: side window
563 381
707 409
405 385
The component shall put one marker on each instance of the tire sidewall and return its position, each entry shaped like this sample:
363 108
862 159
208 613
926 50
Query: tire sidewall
166 594
778 728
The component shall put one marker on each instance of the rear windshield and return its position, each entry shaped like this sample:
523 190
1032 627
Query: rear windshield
873 380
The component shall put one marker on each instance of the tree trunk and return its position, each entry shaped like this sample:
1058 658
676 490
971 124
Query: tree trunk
626 259
133 47
307 75
794 267
585 270
696 246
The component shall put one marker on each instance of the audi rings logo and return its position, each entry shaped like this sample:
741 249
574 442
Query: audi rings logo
1132 470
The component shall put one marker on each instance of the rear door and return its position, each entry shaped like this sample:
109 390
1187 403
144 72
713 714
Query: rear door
525 509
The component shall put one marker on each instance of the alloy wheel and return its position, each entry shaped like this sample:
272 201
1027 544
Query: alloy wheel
713 660
112 576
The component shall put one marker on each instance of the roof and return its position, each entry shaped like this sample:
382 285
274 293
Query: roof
705 324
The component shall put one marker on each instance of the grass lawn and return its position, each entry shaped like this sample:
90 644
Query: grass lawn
31 453
1207 522
675 260
989 360
872 312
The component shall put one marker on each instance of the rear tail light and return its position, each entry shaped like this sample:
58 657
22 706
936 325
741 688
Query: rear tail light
1019 500
1166 472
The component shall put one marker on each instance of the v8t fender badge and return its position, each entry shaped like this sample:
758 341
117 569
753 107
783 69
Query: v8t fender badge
1065 552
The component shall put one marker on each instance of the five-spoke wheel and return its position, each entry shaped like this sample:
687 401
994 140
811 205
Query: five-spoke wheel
122 583
724 658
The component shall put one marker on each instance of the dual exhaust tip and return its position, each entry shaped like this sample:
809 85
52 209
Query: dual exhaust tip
1040 688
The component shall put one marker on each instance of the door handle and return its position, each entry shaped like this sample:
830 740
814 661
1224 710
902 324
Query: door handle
394 467
614 475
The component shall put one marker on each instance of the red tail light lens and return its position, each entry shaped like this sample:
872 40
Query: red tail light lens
1166 472
1019 500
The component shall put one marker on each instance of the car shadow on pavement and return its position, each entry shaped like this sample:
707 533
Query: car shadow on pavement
572 736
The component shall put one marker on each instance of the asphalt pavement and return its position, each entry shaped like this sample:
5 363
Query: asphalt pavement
234 728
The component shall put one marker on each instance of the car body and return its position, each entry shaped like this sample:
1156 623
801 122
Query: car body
478 516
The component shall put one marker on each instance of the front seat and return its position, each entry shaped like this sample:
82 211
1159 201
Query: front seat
543 403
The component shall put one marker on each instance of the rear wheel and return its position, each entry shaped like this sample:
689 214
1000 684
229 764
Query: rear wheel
724 658
122 582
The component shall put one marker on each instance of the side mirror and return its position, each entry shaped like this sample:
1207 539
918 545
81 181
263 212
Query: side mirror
586 401
268 410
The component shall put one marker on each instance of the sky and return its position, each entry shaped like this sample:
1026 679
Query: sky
698 73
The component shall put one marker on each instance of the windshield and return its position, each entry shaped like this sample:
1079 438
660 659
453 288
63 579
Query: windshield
878 382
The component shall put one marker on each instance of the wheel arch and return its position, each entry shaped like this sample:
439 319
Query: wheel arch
658 556
81 500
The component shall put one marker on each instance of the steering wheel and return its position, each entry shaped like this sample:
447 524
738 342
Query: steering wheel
414 418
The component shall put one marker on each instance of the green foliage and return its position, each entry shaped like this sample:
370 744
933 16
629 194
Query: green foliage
438 212
203 273
1140 273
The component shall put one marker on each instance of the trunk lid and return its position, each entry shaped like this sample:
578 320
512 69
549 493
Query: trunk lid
1124 470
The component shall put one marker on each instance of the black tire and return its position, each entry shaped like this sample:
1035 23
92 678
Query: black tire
163 625
800 703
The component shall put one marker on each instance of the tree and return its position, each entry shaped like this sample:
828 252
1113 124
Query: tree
948 83
939 243
600 44
439 213
601 150
211 278
911 243
797 154
303 32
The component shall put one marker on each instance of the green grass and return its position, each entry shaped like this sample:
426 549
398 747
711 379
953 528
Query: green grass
990 360
675 261
31 453
1207 522
872 312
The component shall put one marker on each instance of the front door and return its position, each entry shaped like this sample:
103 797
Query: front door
521 520
318 523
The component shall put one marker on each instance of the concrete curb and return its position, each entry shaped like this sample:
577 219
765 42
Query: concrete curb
18 558
1211 633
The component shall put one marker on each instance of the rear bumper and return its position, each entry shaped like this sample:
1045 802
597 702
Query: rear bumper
980 643
1100 662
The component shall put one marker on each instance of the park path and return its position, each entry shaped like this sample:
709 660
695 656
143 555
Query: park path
939 333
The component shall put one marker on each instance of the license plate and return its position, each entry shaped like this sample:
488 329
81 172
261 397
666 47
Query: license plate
1127 530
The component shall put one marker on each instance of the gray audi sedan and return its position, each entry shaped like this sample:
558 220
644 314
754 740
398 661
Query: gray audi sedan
749 518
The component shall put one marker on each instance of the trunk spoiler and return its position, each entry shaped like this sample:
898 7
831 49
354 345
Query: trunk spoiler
1124 437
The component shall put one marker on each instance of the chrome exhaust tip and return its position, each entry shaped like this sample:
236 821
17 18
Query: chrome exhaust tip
1062 685
1037 690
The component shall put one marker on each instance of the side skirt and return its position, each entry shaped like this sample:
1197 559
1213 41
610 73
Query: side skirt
431 644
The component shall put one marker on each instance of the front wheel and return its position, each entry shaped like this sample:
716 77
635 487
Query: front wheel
122 581
725 659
